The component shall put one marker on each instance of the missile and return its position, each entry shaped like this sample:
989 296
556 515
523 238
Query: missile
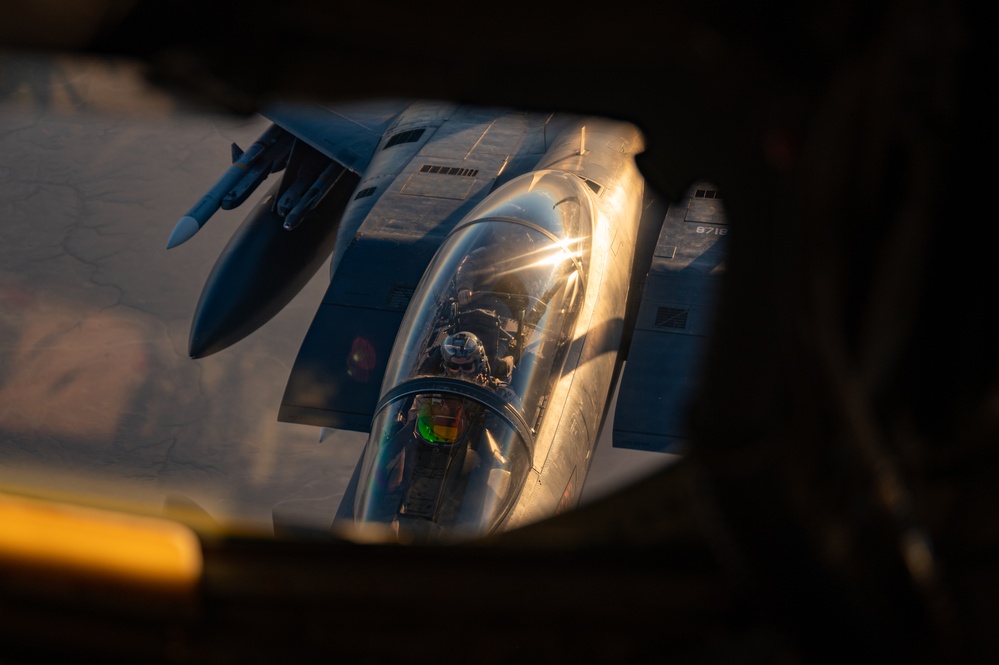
267 155
272 159
315 194
291 196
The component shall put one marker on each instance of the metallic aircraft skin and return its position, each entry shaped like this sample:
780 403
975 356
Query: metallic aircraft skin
600 152
439 174
589 168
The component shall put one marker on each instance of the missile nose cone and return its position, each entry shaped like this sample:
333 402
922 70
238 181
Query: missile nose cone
183 231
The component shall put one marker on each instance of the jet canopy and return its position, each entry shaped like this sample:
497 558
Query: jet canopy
483 342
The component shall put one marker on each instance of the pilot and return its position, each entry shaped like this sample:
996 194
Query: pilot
459 356
494 340
464 355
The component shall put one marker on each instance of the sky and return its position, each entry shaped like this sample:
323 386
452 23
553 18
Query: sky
98 397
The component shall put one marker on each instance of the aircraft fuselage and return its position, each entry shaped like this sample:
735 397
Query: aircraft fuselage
575 214
480 272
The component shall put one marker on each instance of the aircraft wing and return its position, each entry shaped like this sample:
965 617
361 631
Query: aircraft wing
347 134
673 322
340 365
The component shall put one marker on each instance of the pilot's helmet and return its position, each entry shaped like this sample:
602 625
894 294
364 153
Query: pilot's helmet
464 355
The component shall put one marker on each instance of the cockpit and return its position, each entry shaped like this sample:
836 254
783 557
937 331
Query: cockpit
482 344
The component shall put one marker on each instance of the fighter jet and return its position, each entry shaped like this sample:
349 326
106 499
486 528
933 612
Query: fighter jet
490 271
